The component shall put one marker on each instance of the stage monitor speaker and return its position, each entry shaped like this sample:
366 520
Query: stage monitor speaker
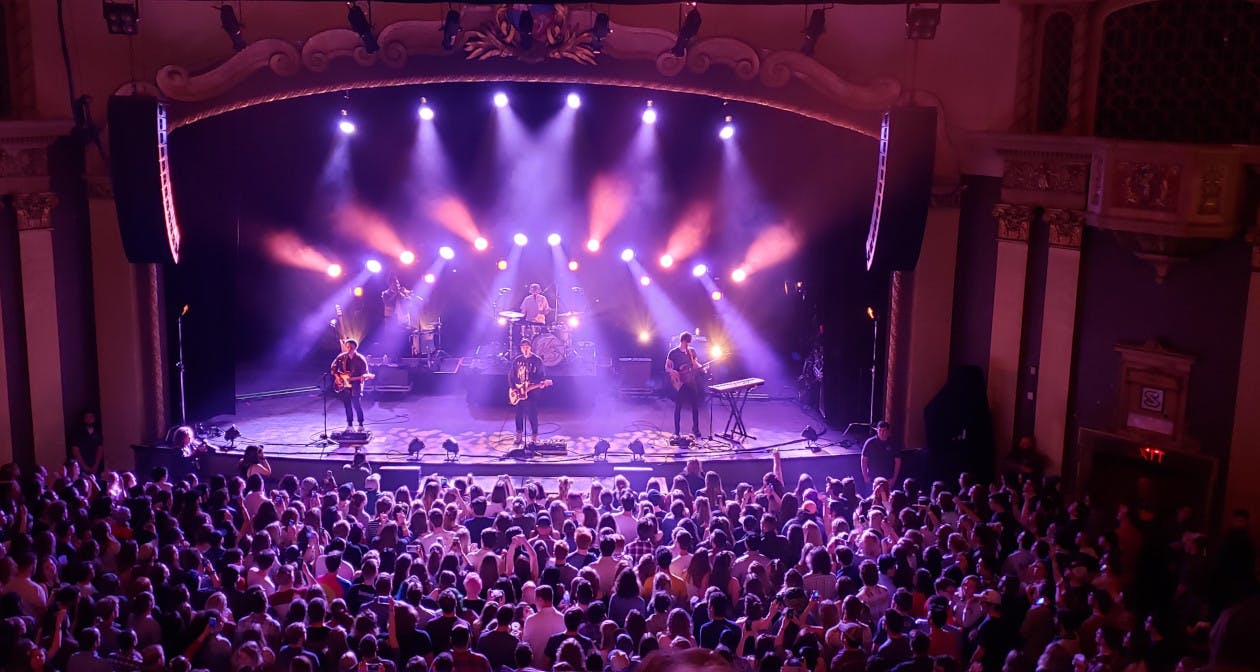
140 169
903 188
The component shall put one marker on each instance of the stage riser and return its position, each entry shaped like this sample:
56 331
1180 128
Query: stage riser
733 472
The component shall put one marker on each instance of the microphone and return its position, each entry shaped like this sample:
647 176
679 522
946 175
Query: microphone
184 311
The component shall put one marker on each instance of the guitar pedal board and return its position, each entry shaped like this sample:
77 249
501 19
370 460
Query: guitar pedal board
549 447
352 438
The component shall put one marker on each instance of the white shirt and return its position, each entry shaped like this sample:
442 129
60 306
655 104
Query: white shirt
535 307
538 629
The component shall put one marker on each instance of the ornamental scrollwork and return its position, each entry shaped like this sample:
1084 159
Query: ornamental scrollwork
553 37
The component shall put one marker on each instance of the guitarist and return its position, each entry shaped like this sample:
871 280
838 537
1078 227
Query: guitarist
354 366
684 368
527 369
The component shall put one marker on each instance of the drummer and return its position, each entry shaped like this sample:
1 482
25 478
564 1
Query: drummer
535 306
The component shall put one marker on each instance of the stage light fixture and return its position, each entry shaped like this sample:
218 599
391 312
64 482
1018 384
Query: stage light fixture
407 257
520 239
500 99
667 260
687 32
739 275
573 100
502 264
592 245
636 450
526 25
231 435
649 113
450 29
600 31
359 23
502 321
426 112
728 129
373 266
601 450
627 255
429 278
573 265
645 280
452 450
809 433
553 239
716 351
122 18
699 270
446 252
716 295
358 292
644 336
231 25
481 244
573 322
346 124
334 270
415 448
813 31
922 20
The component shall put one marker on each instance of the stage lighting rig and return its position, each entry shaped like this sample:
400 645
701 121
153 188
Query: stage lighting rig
526 25
600 31
360 24
231 435
601 450
687 32
636 451
813 31
811 437
450 29
922 20
414 449
452 450
121 18
231 26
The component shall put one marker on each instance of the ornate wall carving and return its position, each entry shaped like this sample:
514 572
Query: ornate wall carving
1068 177
34 211
1067 227
1013 221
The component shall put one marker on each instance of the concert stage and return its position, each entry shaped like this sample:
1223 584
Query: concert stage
290 428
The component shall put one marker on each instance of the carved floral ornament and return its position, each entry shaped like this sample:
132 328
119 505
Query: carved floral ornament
563 35
34 211
1013 221
1067 227
1054 175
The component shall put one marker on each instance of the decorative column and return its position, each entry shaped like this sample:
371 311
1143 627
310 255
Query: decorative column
926 360
130 392
1058 331
43 333
1008 318
1244 444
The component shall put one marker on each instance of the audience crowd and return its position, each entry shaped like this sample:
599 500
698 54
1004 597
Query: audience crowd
259 572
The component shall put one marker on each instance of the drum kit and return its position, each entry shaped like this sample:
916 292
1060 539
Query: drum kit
553 342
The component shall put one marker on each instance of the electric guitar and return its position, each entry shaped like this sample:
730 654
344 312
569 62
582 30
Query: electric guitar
688 373
343 381
518 392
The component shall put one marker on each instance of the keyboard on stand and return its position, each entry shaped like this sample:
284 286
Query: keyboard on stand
735 392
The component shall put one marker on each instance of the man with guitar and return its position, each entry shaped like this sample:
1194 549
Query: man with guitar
349 370
526 375
686 374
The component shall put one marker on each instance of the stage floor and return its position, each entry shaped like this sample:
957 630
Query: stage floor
290 427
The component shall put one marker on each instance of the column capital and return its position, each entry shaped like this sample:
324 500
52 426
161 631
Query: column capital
1013 221
1067 227
34 210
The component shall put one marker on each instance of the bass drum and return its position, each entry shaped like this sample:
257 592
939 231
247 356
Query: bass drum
549 349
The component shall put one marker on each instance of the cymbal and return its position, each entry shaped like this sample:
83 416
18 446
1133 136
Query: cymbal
511 314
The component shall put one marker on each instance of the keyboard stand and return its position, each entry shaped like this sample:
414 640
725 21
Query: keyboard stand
736 431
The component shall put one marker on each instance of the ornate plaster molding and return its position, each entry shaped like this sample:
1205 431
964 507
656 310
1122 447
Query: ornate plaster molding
843 100
1013 221
1067 227
34 211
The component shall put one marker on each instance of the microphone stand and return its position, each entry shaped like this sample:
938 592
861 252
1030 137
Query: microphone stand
179 363
325 382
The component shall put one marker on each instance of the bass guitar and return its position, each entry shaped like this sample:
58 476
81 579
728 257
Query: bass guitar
690 373
518 392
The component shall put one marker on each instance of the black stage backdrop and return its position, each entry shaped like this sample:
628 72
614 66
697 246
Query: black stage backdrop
241 176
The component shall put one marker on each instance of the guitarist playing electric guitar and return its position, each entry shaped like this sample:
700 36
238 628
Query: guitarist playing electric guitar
526 375
686 373
349 370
